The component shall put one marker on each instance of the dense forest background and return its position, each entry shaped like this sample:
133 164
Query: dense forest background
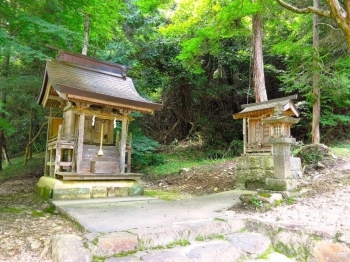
195 57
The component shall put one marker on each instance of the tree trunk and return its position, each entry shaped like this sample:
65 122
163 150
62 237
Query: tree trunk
316 107
6 156
3 101
32 141
86 34
30 151
258 61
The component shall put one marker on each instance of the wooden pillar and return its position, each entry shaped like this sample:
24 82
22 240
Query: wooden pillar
47 156
129 149
244 136
123 142
80 142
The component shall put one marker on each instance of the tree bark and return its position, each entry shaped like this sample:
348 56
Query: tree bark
258 67
316 107
86 34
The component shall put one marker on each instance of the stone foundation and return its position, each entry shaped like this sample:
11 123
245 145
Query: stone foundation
55 189
253 170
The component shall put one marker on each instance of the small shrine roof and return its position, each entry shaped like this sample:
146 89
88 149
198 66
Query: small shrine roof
79 78
267 107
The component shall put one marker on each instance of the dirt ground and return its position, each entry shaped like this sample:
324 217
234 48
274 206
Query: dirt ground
27 224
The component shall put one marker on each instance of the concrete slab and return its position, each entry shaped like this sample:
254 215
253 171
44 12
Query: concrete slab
118 214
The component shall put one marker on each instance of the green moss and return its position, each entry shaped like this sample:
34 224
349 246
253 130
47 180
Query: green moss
36 213
168 196
98 259
266 254
209 237
125 254
181 243
264 194
44 192
94 241
14 210
284 249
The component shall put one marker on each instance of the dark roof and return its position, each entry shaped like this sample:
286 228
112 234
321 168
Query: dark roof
267 107
83 82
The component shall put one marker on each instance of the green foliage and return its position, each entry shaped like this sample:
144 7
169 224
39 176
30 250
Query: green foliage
144 152
257 203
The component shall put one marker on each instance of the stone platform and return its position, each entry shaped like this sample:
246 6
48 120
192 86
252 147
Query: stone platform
56 189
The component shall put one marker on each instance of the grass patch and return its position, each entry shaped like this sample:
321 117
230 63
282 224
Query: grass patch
173 166
182 157
341 151
13 210
34 166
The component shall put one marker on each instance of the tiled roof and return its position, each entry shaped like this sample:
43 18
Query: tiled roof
78 81
268 106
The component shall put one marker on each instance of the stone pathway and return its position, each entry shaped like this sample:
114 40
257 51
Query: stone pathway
223 239
312 229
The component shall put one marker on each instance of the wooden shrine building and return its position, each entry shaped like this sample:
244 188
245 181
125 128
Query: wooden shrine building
92 98
255 132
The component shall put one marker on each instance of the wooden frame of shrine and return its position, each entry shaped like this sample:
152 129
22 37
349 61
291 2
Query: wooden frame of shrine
92 96
255 132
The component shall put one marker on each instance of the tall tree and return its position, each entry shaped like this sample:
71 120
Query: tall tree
258 60
338 11
316 107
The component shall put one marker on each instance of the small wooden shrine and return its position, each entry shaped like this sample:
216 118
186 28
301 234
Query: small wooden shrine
93 97
256 131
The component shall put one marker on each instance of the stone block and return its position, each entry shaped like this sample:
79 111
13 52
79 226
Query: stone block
236 224
277 184
267 162
69 248
253 243
117 242
117 191
98 191
164 256
71 193
218 252
295 164
136 190
43 191
255 162
206 228
327 251
160 236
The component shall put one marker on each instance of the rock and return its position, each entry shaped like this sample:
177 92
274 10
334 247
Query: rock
253 243
205 228
320 165
218 252
123 259
117 242
325 251
159 236
164 256
69 248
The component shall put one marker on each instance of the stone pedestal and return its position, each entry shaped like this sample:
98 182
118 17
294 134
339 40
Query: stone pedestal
284 179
